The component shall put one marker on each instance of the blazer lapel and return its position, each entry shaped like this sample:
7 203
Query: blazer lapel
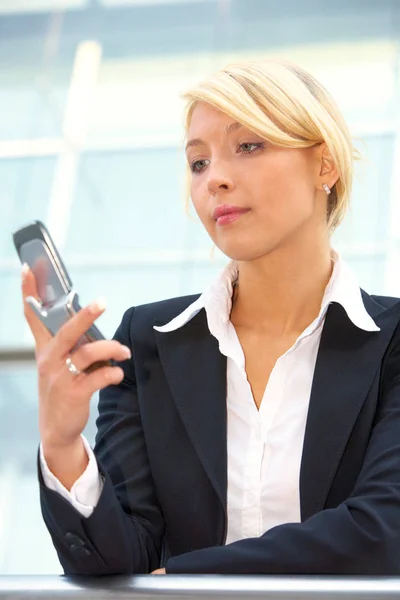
196 373
347 361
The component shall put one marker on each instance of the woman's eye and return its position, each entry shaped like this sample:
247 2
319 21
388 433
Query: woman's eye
198 165
248 147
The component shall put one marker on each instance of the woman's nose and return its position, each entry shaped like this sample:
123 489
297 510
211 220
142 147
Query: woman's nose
219 181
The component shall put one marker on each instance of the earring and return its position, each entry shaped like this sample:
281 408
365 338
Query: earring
326 188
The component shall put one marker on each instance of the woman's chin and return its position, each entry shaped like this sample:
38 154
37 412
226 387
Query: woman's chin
242 252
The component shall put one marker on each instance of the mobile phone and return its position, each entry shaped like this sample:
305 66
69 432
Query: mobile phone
58 302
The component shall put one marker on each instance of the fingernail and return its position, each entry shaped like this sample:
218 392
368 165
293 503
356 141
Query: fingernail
24 270
98 305
126 352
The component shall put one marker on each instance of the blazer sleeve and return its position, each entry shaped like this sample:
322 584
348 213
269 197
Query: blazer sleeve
361 536
125 531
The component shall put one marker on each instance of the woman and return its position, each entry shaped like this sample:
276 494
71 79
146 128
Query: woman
255 428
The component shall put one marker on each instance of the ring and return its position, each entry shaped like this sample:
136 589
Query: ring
72 368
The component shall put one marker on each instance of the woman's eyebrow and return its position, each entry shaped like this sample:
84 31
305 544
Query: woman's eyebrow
228 129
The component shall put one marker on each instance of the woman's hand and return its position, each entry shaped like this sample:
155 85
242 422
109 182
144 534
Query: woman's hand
159 572
64 398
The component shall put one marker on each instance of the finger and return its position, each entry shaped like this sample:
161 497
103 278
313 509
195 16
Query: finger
99 351
70 333
100 379
29 288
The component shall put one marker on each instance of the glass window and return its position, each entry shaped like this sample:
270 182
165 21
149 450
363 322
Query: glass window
367 222
130 202
25 185
32 101
370 271
29 6
27 113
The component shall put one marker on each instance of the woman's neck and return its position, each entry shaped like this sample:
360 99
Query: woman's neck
280 293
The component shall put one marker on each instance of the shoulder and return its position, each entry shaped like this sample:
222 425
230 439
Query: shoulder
381 307
384 301
385 310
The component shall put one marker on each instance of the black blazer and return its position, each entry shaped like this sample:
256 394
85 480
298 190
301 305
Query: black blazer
161 446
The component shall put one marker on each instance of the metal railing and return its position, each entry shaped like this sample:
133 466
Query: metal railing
193 587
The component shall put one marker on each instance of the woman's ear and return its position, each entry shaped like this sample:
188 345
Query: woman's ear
327 169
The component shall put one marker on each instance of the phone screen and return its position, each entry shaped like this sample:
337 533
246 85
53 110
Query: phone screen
49 283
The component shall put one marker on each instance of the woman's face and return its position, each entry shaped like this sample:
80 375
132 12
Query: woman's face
233 168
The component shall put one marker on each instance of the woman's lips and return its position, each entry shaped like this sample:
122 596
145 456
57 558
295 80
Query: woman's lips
225 214
230 218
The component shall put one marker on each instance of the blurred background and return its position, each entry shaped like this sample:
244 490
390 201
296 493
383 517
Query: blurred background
91 143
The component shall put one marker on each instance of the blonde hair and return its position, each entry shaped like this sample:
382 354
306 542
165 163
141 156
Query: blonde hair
286 105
